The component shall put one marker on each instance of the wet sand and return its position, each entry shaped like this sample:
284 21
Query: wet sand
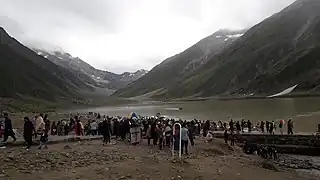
91 160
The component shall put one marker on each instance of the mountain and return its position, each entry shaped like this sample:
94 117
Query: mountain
88 73
24 73
130 77
168 73
278 53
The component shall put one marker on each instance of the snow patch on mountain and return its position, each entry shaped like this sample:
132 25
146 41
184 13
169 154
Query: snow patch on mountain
234 35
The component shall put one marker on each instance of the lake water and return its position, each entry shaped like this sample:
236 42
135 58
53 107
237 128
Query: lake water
304 111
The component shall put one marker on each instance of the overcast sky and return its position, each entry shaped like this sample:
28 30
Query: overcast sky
126 35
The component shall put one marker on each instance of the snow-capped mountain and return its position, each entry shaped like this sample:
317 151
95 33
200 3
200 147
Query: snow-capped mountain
129 77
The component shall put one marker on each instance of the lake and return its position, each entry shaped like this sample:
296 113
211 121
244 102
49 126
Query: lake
304 111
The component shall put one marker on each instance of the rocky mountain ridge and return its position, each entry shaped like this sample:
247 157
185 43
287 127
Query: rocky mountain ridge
90 74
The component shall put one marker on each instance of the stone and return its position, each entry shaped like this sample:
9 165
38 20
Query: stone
11 157
219 171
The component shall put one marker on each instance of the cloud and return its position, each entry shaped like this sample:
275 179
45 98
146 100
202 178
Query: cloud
125 35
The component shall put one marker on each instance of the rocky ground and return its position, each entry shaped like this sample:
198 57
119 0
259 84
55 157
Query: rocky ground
91 160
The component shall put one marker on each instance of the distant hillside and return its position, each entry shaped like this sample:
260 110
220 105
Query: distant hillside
88 73
167 74
23 72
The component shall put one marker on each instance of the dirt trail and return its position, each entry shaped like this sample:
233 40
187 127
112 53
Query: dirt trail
91 160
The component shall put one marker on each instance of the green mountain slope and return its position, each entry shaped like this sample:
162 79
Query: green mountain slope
23 72
172 70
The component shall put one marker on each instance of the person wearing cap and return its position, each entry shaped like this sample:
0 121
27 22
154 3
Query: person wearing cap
8 131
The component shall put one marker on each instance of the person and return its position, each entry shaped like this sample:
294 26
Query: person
100 124
149 135
39 122
242 125
206 128
87 128
47 123
8 131
1 129
65 128
267 126
78 127
226 136
82 128
106 131
34 120
233 138
160 132
271 126
290 127
184 139
28 131
126 129
41 130
238 127
94 128
249 126
191 129
231 125
168 133
54 128
281 123
262 126
59 128
209 138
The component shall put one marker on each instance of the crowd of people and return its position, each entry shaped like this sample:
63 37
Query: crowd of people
159 130
156 128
